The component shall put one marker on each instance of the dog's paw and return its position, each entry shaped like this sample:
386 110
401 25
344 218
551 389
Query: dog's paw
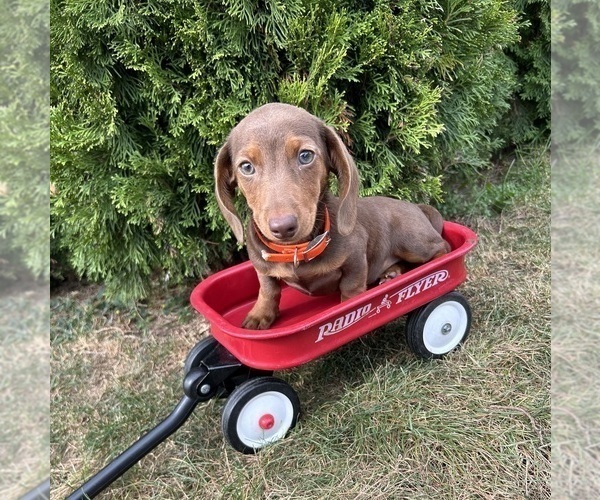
390 273
258 322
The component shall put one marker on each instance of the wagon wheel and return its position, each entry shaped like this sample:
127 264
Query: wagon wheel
259 412
439 327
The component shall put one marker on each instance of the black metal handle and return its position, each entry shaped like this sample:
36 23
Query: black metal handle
136 451
40 492
200 383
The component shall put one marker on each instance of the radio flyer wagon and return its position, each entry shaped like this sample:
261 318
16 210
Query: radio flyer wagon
238 364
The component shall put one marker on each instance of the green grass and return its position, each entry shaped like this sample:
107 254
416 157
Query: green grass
576 325
24 388
511 180
376 422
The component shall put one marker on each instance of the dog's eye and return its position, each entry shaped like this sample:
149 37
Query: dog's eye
247 168
305 157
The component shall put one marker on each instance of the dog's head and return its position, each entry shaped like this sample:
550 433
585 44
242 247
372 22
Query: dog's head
279 157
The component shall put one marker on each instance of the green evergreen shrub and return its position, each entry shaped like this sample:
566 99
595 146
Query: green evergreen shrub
144 94
575 72
24 143
530 116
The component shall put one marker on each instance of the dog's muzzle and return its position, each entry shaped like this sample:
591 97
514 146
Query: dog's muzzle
302 252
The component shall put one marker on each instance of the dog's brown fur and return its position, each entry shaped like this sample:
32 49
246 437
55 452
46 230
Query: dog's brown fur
368 235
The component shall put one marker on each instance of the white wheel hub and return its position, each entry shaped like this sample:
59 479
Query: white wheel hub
265 419
445 327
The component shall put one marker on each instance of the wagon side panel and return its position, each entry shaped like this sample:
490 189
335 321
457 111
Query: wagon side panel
343 323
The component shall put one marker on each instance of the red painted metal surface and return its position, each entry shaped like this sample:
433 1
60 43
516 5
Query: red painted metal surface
309 327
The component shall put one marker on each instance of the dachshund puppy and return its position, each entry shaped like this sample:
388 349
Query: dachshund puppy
280 157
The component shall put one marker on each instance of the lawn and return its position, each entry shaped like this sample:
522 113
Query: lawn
575 325
24 387
376 422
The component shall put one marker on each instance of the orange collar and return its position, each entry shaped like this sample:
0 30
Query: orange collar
302 252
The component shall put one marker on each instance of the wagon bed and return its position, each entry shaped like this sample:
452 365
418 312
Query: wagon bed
308 326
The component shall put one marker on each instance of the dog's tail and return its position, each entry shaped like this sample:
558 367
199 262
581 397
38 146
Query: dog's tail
436 219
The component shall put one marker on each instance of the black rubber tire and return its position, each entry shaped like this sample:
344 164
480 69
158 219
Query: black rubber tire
198 352
418 339
243 399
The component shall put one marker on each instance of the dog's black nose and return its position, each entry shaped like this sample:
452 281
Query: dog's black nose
283 227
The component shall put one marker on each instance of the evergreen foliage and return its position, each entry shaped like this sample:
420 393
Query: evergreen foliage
575 71
530 118
143 94
24 147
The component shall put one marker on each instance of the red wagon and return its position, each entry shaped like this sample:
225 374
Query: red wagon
238 364
309 327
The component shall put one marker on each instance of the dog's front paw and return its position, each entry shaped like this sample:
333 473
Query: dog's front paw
258 321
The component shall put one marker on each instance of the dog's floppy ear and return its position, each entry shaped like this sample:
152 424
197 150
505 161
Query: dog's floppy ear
344 168
225 185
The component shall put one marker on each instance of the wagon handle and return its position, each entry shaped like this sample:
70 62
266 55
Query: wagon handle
199 384
40 492
136 451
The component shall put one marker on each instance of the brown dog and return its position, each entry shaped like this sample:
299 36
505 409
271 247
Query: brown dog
280 157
